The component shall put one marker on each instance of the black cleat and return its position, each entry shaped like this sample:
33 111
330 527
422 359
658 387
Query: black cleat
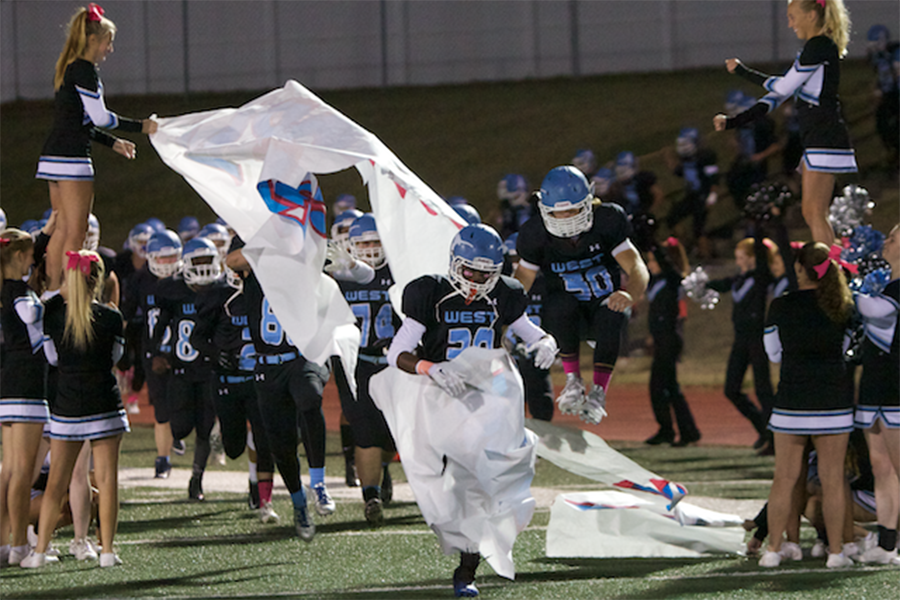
163 467
253 496
350 477
387 486
661 437
195 489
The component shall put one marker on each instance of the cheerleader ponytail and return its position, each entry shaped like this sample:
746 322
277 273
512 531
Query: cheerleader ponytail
832 291
834 18
84 278
83 24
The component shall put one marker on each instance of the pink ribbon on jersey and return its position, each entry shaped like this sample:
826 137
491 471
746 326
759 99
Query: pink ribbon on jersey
95 12
80 261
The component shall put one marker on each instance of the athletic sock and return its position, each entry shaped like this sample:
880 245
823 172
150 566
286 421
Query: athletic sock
348 445
887 538
298 498
316 476
570 364
265 491
371 491
251 470
602 375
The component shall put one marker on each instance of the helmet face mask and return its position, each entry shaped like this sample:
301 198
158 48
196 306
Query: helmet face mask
364 242
138 238
476 259
566 190
340 229
164 254
202 264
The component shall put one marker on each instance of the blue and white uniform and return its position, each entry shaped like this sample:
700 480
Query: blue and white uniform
813 80
79 109
23 396
879 388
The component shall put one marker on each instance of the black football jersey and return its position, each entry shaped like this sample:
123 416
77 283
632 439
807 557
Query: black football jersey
268 336
142 308
374 313
451 325
584 265
224 329
178 311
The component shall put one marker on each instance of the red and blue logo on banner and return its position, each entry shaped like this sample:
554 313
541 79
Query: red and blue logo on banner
300 204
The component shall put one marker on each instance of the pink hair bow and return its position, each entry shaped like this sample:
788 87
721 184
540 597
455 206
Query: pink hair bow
671 241
821 3
5 241
81 262
834 255
95 12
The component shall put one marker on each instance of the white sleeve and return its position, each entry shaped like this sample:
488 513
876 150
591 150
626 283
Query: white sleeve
875 307
405 340
360 272
785 85
118 349
50 351
772 342
527 330
29 308
527 265
95 107
626 245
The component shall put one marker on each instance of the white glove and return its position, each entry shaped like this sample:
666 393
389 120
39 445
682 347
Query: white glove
594 409
545 350
340 258
450 381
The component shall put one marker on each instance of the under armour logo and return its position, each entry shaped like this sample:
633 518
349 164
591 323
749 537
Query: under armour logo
594 248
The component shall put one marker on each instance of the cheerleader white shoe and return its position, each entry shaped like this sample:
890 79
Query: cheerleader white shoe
109 559
770 560
838 561
791 551
36 560
878 556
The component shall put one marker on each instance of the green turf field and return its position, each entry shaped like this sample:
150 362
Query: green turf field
173 548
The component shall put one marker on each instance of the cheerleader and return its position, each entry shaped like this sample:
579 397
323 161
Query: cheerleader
805 332
84 339
23 401
66 157
878 413
814 79
668 265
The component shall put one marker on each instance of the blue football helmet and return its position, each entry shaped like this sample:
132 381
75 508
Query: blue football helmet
343 203
878 36
509 245
585 161
156 224
468 212
564 189
626 166
365 243
92 237
602 180
202 262
30 226
514 188
340 229
164 253
188 227
687 142
138 238
218 235
475 248
3 221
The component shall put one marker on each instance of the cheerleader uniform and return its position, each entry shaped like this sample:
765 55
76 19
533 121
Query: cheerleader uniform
879 388
810 398
813 81
79 109
23 396
664 319
88 405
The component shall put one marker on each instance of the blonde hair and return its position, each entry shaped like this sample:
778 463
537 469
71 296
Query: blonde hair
83 290
80 28
19 241
834 19
832 291
748 247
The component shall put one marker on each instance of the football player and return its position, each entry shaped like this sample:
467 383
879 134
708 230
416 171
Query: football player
582 250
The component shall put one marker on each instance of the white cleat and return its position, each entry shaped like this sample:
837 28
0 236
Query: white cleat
323 502
267 514
594 408
571 399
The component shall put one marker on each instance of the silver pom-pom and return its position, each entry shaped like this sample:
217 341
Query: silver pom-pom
695 287
850 209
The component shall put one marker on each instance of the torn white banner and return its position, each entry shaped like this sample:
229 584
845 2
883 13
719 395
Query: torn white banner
586 454
469 460
227 154
615 524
